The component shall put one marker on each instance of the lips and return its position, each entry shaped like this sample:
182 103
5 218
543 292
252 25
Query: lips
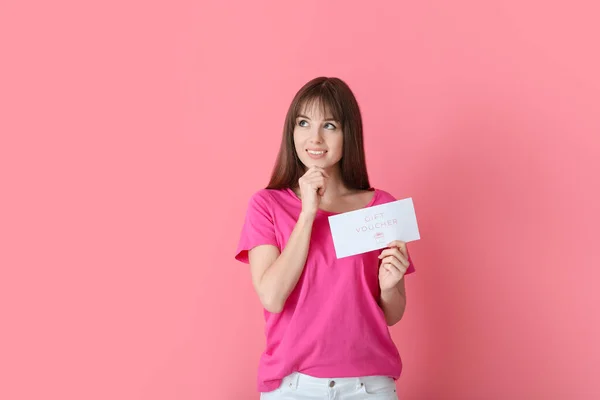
316 154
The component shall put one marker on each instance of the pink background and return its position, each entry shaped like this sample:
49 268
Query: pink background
134 133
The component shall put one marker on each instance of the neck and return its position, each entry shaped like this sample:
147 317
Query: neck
335 185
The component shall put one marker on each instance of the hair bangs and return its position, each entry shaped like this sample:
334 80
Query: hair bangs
324 97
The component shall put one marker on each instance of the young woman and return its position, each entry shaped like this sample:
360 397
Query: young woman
326 318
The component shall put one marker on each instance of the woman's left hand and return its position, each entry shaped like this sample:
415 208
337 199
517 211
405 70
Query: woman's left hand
394 263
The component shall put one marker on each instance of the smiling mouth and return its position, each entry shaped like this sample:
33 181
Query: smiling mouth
316 153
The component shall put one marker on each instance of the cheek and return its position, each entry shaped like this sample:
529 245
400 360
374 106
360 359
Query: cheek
296 140
338 145
298 145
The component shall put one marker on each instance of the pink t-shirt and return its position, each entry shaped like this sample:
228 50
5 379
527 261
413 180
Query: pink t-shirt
331 325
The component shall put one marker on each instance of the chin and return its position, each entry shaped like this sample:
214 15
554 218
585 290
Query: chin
319 163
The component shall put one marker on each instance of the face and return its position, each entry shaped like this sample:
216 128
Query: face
318 138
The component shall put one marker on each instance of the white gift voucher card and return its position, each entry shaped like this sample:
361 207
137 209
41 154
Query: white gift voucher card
373 228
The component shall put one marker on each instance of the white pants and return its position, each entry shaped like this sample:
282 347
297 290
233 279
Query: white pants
303 387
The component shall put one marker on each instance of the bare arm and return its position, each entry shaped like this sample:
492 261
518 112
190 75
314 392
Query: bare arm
274 274
394 264
393 303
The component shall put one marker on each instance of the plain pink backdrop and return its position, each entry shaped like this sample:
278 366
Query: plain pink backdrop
133 133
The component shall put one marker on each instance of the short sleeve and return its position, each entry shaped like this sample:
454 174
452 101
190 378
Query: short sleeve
411 267
259 226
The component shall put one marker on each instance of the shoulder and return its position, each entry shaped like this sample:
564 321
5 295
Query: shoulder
262 195
384 196
267 197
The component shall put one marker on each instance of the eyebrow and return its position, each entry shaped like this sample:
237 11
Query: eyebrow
326 119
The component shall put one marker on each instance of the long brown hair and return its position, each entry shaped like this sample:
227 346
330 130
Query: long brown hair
334 95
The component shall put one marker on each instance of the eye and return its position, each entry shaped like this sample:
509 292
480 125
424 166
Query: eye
331 126
303 123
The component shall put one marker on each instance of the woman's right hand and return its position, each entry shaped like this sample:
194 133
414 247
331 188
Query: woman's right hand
313 185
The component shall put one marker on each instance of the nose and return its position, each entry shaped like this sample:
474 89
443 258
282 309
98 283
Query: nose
316 136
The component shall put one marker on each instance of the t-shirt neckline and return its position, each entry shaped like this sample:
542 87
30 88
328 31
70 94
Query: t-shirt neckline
320 211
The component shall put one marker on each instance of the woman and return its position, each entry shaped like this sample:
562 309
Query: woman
326 318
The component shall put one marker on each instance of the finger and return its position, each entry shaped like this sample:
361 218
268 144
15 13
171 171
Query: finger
401 259
312 174
317 172
317 182
318 185
393 271
389 268
316 179
321 187
316 168
396 254
396 264
399 244
322 190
